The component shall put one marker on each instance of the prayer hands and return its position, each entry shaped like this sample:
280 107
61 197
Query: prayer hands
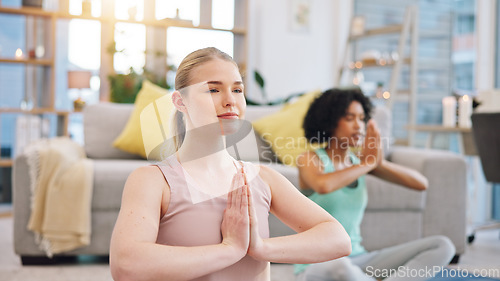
240 225
372 153
235 223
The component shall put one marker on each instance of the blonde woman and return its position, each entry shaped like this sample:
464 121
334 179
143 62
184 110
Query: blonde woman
202 215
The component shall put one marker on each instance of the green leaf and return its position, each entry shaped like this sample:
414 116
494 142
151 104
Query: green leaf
259 79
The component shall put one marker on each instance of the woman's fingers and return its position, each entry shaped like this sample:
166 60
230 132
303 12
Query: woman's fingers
237 181
230 199
244 200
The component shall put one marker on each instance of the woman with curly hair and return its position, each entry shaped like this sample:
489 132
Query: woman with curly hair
340 119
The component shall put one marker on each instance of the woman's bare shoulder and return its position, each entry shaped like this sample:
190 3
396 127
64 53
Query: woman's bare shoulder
147 171
306 159
150 176
266 172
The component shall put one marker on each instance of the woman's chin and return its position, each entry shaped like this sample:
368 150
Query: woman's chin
230 126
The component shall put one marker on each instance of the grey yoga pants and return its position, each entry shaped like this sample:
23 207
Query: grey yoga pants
415 260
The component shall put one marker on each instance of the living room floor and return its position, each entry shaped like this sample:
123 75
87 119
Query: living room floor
483 253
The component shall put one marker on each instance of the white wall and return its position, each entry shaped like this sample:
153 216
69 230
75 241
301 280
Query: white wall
293 62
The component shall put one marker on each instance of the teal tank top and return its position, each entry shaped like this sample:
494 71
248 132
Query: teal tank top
347 205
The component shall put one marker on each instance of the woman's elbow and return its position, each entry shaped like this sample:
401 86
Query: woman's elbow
322 188
123 266
345 247
120 272
422 184
347 250
340 244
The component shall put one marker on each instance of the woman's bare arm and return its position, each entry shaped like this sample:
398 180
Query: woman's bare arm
312 176
319 236
401 175
134 254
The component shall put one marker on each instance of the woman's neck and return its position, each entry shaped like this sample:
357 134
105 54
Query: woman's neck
339 154
203 146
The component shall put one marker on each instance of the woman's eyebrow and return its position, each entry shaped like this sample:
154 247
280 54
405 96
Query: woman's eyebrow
220 83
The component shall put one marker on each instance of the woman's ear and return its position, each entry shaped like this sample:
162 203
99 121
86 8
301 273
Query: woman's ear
178 102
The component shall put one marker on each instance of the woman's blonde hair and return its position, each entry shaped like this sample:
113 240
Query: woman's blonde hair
183 79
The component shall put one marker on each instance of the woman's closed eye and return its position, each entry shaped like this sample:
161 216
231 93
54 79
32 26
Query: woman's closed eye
352 118
214 90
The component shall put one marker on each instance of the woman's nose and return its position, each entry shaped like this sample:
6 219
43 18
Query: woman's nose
357 123
228 99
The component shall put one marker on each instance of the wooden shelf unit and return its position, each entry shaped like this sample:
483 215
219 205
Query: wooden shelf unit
5 162
45 62
155 29
167 22
390 29
407 30
27 11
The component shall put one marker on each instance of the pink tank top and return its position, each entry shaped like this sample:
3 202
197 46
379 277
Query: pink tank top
194 218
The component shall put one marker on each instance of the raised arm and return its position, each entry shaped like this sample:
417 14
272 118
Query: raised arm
312 176
401 175
319 236
134 254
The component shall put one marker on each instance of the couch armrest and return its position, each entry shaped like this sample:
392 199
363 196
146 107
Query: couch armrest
24 240
445 210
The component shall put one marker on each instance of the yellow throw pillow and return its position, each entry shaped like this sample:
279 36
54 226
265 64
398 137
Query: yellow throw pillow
283 129
148 125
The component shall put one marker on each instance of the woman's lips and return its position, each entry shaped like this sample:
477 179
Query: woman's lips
229 115
357 136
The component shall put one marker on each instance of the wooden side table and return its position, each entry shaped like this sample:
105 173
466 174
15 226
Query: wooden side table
466 143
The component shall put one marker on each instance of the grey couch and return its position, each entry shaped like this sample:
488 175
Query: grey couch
394 214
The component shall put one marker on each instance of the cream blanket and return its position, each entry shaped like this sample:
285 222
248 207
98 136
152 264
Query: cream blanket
61 178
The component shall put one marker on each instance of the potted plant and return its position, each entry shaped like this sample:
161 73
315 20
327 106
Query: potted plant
125 87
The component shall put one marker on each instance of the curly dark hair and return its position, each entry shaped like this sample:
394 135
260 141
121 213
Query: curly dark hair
326 110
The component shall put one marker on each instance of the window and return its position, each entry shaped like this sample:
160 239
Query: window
129 9
182 9
223 14
84 44
84 53
463 49
182 41
75 7
131 46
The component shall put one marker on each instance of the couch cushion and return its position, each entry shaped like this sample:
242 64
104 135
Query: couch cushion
253 147
254 112
151 116
102 123
284 131
109 179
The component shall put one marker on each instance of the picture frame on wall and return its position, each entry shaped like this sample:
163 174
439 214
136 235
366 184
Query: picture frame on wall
300 15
